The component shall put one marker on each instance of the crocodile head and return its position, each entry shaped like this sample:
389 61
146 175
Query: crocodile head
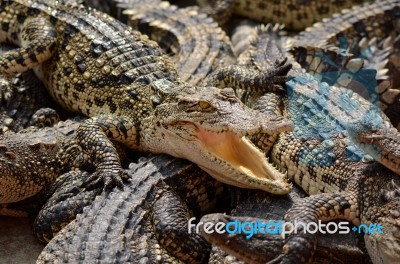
210 126
385 248
380 142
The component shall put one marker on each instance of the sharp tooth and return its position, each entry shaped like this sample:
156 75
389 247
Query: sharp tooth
355 64
387 43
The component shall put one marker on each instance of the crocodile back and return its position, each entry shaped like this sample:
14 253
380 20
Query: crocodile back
99 65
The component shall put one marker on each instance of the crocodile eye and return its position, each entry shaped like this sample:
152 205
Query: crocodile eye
204 105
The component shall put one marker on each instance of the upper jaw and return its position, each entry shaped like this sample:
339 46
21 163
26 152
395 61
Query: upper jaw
255 122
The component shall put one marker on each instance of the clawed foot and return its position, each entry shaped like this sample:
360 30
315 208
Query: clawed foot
109 178
278 75
281 69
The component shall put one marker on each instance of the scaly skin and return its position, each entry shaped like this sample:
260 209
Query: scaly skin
344 182
342 47
382 144
23 99
352 30
29 164
130 224
294 14
360 191
354 191
97 66
251 206
377 19
32 159
196 43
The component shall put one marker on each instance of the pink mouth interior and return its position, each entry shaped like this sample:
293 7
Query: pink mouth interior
238 152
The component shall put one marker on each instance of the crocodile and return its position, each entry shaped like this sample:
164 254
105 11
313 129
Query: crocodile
294 14
344 182
253 205
207 28
143 104
130 224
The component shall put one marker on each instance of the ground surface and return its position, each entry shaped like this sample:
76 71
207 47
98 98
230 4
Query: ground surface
17 243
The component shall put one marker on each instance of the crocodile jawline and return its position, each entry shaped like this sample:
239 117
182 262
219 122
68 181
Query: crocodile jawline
239 152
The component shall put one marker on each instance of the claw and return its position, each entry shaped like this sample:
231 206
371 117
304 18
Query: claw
93 181
109 178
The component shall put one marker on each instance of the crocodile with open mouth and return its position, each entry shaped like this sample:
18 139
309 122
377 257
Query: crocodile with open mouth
99 67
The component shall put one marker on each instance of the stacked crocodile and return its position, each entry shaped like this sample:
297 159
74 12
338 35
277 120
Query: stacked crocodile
154 89
320 158
132 224
141 94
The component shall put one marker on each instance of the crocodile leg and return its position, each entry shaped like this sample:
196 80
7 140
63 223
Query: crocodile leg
24 100
93 135
171 227
68 197
300 247
38 43
68 194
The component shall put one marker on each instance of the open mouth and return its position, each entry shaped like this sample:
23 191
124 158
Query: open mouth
256 172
